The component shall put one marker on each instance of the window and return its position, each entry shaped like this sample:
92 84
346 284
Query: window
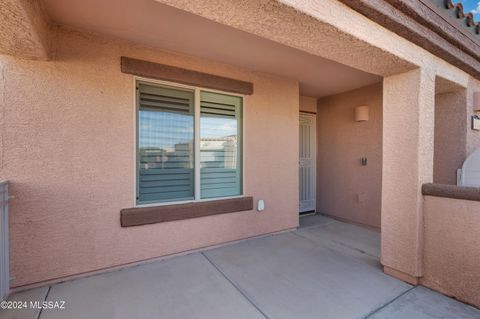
176 161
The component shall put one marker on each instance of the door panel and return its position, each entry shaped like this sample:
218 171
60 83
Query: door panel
307 162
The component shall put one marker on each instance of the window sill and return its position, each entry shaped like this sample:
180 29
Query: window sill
138 216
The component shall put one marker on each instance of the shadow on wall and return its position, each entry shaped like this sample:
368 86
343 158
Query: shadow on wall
450 146
347 189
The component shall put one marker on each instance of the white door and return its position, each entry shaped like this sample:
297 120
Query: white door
307 162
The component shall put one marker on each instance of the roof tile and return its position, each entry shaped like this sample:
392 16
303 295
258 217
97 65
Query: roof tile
456 11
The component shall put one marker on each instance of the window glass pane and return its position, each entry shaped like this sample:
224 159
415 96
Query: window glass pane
165 144
220 145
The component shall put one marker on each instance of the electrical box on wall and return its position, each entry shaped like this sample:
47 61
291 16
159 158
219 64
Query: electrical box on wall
476 122
260 205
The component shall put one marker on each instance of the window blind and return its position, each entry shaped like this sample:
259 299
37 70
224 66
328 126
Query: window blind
165 144
220 145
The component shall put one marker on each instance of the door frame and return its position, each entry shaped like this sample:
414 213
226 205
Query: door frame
314 157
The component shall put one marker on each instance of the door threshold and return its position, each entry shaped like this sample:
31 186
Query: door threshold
307 213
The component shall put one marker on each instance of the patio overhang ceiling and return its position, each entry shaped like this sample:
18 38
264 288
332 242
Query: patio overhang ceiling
150 23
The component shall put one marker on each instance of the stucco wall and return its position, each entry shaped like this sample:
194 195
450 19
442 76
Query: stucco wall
308 104
350 38
24 30
345 188
454 137
450 136
473 137
68 150
452 247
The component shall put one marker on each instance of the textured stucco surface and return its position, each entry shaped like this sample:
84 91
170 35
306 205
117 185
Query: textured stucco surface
454 137
408 129
82 98
308 104
24 29
450 136
303 25
68 150
473 137
329 29
326 28
452 248
418 22
150 23
345 188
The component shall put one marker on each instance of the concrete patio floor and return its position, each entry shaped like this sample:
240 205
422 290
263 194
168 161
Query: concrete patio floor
325 269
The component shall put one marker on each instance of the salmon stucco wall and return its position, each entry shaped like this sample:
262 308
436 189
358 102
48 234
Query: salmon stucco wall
450 136
452 247
345 188
308 104
473 137
67 128
24 30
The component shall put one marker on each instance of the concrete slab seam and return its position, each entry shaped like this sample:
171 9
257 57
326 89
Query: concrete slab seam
235 285
389 302
44 299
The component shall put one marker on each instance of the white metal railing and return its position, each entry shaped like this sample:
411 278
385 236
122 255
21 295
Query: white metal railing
4 245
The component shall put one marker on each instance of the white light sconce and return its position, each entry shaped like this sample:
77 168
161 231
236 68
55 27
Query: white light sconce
361 113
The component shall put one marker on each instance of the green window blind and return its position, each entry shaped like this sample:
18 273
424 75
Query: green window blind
165 144
220 145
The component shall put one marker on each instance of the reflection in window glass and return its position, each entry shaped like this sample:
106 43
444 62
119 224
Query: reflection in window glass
220 154
165 144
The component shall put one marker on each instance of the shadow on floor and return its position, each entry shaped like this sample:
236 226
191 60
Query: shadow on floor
325 269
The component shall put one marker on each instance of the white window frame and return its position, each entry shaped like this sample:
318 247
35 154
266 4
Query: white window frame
196 90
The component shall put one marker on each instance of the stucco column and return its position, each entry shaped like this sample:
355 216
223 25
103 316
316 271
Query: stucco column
408 130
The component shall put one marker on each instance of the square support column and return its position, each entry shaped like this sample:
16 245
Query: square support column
408 132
